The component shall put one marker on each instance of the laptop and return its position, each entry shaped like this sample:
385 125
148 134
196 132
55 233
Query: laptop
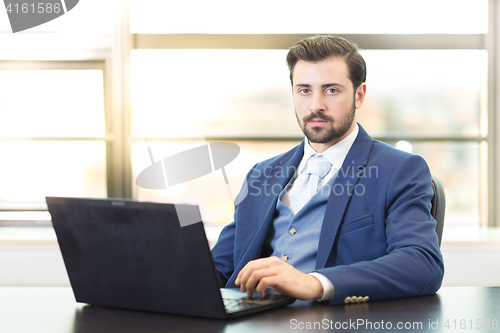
135 255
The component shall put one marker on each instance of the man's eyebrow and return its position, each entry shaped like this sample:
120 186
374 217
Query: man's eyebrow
326 85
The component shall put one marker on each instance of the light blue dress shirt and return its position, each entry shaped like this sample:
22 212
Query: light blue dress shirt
305 247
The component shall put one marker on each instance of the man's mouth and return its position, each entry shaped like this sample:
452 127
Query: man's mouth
317 122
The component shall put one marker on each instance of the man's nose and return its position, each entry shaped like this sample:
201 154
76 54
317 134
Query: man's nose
317 103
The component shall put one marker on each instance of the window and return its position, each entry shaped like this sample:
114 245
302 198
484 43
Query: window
432 100
287 17
215 71
52 126
427 84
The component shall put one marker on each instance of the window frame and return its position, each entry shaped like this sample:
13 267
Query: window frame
365 42
114 60
108 137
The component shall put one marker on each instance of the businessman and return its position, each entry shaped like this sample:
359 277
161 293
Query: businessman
341 217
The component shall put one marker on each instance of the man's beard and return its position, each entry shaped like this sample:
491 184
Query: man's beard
318 134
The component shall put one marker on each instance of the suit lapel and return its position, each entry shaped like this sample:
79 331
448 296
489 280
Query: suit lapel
276 181
341 193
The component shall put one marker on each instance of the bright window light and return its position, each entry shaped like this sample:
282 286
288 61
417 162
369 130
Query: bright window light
313 16
51 103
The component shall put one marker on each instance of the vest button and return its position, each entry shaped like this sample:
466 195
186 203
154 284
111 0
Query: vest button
292 231
285 257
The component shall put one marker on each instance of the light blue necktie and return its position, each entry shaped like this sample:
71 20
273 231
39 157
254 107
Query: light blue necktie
317 167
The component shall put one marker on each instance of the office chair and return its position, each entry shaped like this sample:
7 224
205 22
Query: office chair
438 205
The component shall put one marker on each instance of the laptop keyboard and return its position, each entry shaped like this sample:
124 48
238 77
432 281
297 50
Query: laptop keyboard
235 305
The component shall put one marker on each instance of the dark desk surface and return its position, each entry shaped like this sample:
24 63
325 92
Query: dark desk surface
452 309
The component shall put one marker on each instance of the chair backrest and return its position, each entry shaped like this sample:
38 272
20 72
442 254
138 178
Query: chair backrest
438 206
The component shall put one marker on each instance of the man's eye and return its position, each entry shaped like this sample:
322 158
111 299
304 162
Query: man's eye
303 91
332 91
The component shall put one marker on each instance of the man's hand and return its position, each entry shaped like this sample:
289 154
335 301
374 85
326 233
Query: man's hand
282 277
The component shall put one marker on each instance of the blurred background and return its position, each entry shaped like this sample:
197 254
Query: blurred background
86 97
83 97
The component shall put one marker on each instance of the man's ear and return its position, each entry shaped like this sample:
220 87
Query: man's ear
360 95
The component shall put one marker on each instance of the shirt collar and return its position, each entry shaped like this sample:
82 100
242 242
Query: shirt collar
335 154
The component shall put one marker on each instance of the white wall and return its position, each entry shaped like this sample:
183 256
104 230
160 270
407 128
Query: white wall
471 264
32 265
28 262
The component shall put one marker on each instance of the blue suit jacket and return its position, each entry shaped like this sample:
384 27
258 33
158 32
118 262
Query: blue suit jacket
378 237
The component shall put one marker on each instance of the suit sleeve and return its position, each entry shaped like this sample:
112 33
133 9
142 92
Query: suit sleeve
223 251
222 254
413 263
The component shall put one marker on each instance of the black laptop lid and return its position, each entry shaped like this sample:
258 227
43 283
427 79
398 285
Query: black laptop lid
135 255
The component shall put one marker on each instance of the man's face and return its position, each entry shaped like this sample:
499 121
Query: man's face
325 101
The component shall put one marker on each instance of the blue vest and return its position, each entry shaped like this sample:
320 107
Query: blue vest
296 238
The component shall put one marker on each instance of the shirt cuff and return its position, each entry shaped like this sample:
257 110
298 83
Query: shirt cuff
328 288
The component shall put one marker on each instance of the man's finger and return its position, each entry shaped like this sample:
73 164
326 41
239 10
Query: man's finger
264 283
244 273
254 279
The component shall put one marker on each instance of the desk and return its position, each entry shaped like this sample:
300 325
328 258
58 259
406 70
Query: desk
54 310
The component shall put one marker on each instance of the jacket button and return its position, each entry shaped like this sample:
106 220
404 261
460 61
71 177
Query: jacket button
292 231
285 257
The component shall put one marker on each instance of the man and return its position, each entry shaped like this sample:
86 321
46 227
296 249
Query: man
351 221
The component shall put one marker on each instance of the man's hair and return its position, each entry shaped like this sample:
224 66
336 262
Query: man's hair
318 48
